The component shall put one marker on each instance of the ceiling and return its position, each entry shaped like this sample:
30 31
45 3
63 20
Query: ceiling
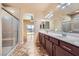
39 10
71 8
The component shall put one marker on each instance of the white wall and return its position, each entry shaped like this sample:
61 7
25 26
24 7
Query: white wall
37 26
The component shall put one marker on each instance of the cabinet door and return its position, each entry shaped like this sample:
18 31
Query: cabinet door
40 38
49 47
61 52
43 40
70 48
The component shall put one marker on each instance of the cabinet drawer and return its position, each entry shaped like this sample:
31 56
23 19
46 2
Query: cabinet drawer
61 52
70 48
54 40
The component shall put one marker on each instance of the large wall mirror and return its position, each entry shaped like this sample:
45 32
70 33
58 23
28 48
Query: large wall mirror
45 25
71 26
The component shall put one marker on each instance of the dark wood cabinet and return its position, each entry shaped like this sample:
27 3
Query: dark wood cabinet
43 42
49 47
56 47
61 52
70 48
42 39
54 40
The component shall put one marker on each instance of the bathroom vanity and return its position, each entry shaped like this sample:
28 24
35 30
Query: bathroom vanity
57 45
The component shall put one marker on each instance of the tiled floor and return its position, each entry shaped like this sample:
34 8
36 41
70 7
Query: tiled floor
31 48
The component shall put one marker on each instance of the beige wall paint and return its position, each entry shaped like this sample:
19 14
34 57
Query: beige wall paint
0 33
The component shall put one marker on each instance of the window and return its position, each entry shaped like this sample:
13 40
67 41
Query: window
30 28
28 16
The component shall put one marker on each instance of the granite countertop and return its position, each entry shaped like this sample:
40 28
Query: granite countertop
72 39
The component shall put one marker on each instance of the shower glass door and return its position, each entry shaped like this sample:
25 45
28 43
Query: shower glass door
10 31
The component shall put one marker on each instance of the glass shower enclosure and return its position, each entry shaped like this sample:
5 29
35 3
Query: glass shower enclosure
10 31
